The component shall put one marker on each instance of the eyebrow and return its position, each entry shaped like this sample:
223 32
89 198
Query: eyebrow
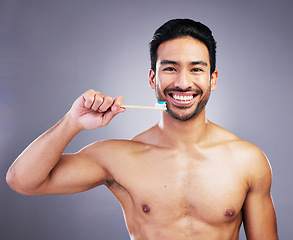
165 62
199 63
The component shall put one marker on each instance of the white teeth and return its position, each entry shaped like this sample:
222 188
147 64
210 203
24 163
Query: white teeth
183 98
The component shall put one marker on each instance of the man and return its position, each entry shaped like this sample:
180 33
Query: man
185 178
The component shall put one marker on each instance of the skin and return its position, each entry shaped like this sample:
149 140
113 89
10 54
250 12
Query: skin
181 179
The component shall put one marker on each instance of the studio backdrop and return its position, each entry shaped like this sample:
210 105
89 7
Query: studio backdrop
51 51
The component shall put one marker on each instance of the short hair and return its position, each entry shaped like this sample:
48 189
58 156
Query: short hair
177 28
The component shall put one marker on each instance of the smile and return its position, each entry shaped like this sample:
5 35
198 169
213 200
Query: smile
182 97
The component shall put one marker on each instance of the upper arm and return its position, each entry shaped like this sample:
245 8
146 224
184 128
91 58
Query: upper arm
76 173
259 213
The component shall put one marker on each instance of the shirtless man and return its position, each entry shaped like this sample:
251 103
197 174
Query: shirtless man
185 178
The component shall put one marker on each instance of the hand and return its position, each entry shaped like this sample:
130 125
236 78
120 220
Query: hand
93 110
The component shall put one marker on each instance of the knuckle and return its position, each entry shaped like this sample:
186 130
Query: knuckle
90 92
120 99
99 98
108 99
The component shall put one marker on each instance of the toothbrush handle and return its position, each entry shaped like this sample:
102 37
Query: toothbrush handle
143 107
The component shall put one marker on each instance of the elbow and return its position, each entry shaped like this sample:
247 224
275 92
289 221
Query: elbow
16 184
10 178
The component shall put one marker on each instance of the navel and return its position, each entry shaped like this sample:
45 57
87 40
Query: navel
146 208
230 213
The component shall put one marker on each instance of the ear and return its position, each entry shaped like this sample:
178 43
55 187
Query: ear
152 79
214 80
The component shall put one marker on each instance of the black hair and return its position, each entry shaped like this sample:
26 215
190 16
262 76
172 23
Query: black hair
177 28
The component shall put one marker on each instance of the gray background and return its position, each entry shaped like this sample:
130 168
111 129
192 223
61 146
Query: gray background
51 51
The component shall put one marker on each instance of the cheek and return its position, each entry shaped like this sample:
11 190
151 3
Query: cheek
159 83
164 81
204 84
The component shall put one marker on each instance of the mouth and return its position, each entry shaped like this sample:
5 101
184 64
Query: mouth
182 98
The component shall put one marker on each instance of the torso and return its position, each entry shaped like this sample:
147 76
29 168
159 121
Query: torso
169 193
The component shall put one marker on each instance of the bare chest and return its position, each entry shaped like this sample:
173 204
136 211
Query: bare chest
171 187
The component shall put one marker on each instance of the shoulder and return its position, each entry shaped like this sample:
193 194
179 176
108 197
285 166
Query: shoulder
234 143
112 148
114 151
250 157
254 159
112 155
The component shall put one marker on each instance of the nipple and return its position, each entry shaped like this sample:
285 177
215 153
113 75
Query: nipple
230 213
146 208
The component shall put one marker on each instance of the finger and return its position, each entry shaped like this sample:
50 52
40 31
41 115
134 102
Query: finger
99 99
89 98
118 102
115 109
111 114
106 104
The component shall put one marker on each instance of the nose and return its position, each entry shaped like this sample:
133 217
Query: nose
183 81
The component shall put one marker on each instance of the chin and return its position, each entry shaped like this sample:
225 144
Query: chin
182 117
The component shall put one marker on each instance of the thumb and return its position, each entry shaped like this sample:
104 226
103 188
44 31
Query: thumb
110 114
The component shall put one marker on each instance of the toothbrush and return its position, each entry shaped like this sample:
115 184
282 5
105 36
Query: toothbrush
160 105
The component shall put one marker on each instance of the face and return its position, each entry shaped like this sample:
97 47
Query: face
183 77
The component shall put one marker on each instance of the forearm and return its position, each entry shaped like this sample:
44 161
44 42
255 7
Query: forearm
34 164
34 171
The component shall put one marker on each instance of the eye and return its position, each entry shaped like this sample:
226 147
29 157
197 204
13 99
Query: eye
196 70
169 69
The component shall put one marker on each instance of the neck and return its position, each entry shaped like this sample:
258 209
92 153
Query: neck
184 134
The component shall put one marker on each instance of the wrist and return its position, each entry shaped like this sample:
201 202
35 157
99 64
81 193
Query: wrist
72 124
